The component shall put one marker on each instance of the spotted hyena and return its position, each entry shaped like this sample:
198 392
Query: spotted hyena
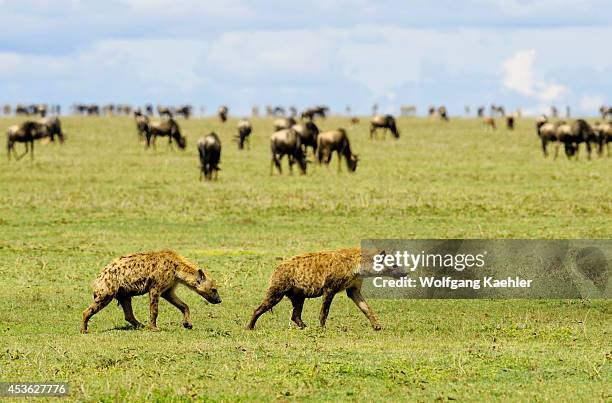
314 275
156 273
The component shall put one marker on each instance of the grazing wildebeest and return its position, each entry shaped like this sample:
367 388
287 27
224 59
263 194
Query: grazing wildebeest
166 127
142 125
603 132
489 122
311 113
209 148
336 140
283 123
222 113
53 128
581 132
25 132
244 131
308 133
287 142
383 122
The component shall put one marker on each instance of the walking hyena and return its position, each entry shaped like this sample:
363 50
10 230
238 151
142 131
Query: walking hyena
157 273
313 275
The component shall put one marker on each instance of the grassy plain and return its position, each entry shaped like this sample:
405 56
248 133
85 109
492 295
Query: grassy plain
100 195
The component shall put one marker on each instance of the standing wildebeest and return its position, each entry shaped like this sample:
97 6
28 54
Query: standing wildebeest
308 133
605 111
510 122
287 142
209 148
222 113
184 110
283 123
383 122
552 132
166 127
443 113
336 140
603 131
25 132
142 125
311 113
244 131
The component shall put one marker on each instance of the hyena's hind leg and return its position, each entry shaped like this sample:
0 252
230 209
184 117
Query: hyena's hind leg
298 304
100 301
273 297
126 304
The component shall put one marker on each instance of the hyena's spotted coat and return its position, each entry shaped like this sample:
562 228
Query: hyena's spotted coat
314 275
156 273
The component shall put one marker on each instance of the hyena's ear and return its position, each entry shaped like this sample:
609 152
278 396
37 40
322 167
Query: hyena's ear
201 276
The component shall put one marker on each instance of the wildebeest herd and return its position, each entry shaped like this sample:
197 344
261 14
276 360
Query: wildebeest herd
291 137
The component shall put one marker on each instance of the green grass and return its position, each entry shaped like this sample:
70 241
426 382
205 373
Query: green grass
100 195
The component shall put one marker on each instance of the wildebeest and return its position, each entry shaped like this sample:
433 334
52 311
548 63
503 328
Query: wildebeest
549 132
53 128
283 123
142 124
244 131
287 142
488 122
26 133
209 148
155 273
222 113
336 140
311 113
510 122
164 110
581 132
308 133
605 111
383 122
166 127
184 110
603 132
443 113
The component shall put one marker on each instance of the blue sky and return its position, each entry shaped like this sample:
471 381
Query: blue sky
519 53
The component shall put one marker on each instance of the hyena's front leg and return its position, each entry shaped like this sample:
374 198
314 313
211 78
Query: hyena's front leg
172 298
99 303
355 295
153 308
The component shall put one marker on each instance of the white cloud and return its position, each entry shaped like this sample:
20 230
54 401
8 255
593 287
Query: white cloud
520 76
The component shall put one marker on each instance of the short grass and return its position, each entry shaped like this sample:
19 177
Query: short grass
100 195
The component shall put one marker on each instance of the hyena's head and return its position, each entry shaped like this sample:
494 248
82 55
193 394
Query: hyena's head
206 287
